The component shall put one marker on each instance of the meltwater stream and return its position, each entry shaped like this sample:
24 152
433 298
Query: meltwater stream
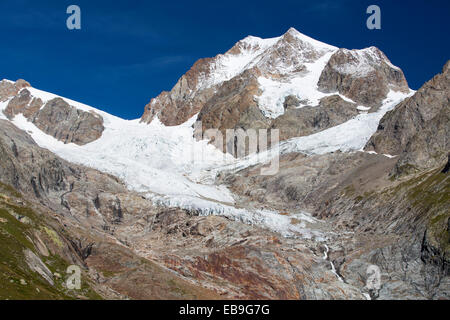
333 269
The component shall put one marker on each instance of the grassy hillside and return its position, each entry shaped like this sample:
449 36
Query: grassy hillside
21 229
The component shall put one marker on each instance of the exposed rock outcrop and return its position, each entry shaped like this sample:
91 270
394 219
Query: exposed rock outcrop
9 89
205 87
248 86
45 177
23 103
418 128
379 221
366 76
233 106
240 111
36 264
330 112
68 124
55 117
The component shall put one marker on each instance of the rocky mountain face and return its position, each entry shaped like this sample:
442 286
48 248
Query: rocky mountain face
331 111
397 223
54 117
417 130
377 221
78 210
9 89
347 208
196 87
125 243
34 253
365 76
277 84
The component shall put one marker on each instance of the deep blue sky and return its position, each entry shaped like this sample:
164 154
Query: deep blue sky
129 51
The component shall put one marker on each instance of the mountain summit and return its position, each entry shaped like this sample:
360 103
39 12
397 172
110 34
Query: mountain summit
257 80
362 181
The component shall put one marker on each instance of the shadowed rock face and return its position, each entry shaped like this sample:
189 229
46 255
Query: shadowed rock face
39 173
68 124
365 76
56 118
447 166
418 128
331 111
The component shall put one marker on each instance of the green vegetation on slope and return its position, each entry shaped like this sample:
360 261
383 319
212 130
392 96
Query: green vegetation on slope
18 224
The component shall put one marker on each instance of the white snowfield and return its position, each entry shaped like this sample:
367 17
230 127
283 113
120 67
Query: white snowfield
168 166
362 61
160 162
349 136
300 83
147 157
229 65
303 86
253 52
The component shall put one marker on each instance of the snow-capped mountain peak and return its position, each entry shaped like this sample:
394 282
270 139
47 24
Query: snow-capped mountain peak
292 65
289 83
318 45
257 52
273 56
292 83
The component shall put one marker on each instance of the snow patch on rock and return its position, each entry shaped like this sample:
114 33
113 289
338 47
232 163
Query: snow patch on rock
303 86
